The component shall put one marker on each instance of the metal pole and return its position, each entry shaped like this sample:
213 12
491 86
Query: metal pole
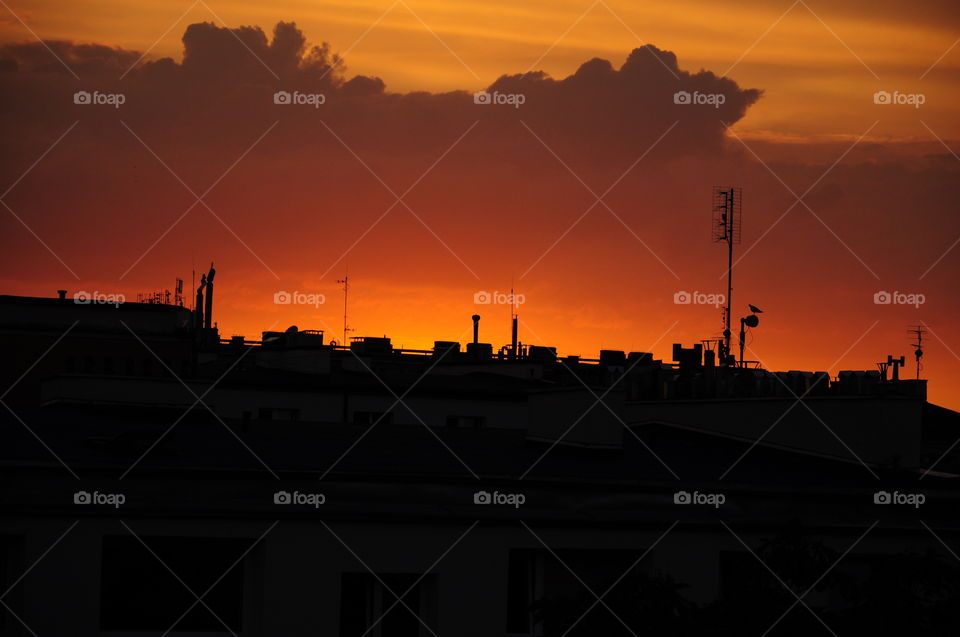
346 291
743 337
729 232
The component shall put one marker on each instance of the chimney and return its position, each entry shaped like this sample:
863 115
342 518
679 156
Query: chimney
476 328
208 308
61 294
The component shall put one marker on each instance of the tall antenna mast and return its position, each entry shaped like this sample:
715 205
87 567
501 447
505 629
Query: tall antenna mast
918 331
726 229
345 282
513 323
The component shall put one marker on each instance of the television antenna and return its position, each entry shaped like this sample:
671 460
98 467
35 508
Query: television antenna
727 213
918 332
345 282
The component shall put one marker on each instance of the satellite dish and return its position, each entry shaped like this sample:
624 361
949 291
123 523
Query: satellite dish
752 321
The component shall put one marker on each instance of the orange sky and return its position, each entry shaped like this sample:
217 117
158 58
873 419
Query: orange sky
882 211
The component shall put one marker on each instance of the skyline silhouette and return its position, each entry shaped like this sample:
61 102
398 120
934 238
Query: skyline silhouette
591 198
409 318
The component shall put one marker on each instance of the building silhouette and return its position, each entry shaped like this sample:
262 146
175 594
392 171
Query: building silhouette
171 480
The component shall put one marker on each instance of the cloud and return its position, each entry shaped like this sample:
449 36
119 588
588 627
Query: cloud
612 110
230 75
84 59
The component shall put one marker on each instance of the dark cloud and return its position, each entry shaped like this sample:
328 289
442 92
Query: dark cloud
603 109
230 75
245 54
83 59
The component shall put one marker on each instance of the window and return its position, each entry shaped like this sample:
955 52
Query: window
368 607
544 598
739 572
370 417
275 413
137 592
466 422
11 568
524 588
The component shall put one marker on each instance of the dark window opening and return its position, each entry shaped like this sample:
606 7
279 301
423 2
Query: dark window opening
544 598
466 422
367 605
137 592
278 413
370 417
11 568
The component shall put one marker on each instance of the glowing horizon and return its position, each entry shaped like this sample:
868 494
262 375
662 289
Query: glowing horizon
503 196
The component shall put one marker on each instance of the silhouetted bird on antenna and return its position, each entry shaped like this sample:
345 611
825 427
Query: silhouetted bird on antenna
755 309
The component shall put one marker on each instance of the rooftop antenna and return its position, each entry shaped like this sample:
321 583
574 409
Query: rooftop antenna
193 278
892 363
748 321
514 317
726 228
208 310
345 282
918 331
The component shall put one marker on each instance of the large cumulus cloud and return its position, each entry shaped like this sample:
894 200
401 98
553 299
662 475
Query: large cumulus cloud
229 75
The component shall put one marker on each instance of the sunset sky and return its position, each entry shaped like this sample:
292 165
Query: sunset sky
591 198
